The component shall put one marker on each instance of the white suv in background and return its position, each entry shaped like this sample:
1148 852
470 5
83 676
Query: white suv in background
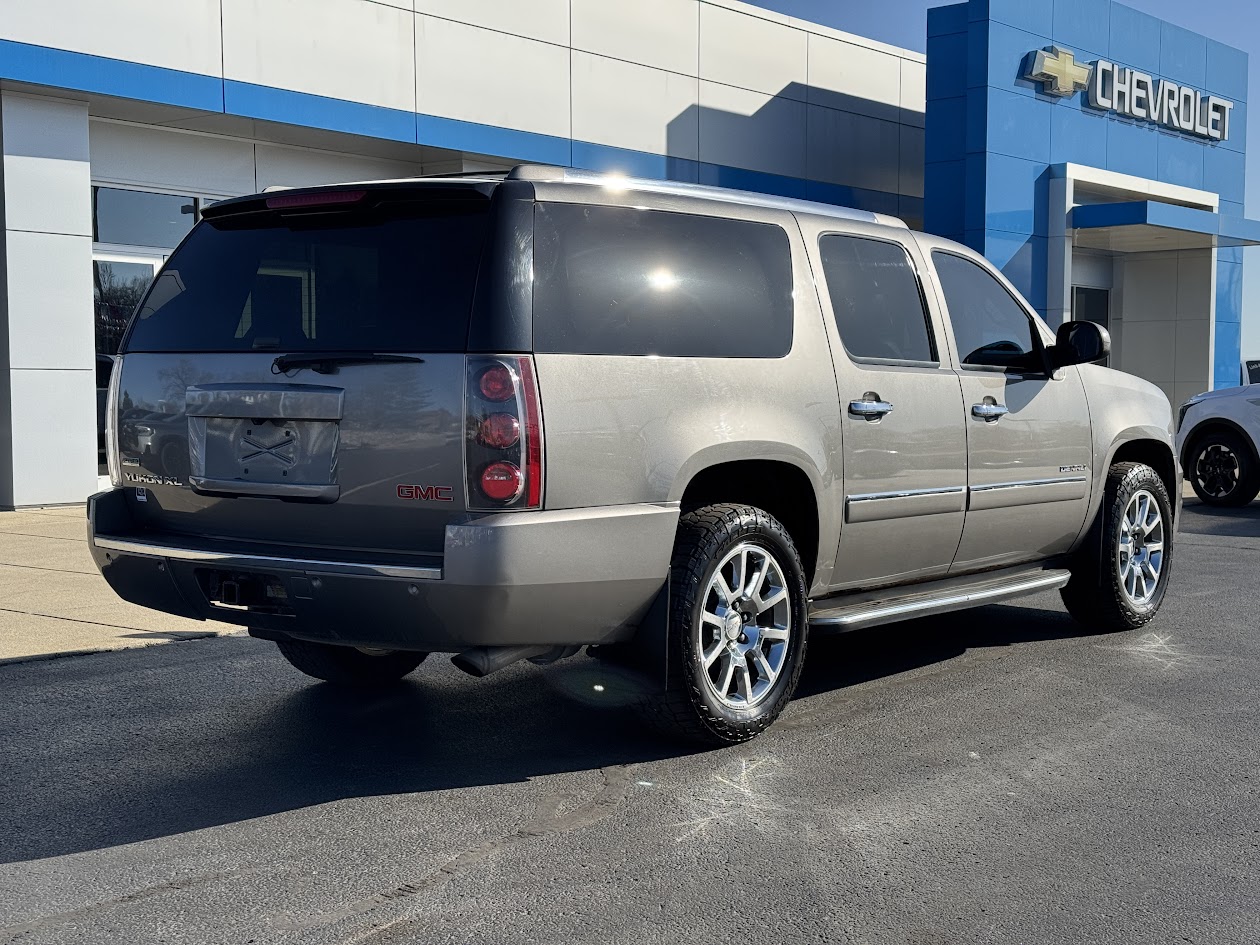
1217 433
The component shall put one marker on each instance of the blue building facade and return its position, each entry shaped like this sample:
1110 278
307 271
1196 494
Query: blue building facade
1055 180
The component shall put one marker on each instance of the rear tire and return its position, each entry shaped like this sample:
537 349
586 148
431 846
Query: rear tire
731 673
1121 575
348 665
1222 470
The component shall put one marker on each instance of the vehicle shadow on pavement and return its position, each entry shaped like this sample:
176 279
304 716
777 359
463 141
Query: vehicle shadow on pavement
840 660
1200 519
127 746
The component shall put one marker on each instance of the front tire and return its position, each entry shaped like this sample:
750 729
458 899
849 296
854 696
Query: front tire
1222 471
738 625
350 666
1119 579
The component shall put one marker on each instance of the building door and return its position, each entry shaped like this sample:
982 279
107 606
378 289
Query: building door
1029 442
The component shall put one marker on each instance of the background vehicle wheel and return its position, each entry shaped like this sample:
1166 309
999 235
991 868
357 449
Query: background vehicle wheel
738 625
348 665
1119 578
1221 469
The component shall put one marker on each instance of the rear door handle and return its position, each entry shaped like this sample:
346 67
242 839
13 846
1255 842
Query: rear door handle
989 413
870 409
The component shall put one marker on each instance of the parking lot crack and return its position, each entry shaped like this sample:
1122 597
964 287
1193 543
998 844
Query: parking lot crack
12 933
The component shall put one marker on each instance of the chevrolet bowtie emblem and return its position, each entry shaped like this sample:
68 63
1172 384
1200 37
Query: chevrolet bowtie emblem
1058 72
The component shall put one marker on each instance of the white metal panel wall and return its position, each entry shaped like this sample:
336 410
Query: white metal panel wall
664 34
49 381
543 67
348 49
479 75
161 159
180 35
631 106
278 165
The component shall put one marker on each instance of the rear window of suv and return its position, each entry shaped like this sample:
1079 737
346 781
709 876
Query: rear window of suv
395 276
622 281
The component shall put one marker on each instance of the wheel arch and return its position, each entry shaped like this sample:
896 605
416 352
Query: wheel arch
1212 425
1155 453
779 486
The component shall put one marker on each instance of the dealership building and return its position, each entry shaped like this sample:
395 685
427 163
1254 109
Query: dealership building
1094 153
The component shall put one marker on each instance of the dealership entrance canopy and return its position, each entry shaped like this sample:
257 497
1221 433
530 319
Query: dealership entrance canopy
1094 153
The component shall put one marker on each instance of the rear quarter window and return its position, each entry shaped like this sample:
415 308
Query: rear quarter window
621 281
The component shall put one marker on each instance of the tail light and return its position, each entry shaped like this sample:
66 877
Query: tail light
111 425
503 448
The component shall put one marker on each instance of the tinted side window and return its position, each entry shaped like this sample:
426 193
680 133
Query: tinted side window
615 280
990 327
875 299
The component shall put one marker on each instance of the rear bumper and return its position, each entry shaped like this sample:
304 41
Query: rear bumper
569 578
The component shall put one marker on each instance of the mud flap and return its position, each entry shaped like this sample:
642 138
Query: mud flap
646 654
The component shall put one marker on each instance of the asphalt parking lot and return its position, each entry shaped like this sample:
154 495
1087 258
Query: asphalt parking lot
990 777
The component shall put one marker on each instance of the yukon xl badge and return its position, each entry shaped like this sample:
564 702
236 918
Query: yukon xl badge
151 480
427 493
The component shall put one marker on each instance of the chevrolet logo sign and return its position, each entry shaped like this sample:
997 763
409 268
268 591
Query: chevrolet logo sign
1058 72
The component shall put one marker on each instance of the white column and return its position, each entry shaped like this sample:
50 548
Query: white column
1059 248
47 362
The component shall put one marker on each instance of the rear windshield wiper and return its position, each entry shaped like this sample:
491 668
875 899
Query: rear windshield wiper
327 362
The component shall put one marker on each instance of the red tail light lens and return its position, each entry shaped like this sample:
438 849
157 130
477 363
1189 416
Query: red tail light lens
503 451
502 481
499 431
497 383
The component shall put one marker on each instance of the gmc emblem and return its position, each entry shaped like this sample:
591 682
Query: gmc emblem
427 493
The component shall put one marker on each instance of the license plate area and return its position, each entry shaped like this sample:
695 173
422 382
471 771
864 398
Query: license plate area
268 450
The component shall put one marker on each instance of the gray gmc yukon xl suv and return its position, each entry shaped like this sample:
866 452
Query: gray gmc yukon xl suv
686 427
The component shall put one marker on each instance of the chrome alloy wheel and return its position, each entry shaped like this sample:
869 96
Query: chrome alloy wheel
1217 470
744 627
1141 548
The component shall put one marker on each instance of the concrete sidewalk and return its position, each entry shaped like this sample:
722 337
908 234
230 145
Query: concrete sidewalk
54 602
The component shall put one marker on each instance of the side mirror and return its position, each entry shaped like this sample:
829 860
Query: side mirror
1079 343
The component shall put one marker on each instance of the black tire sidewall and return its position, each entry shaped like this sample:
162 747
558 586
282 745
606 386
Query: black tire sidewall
758 528
1141 478
1246 487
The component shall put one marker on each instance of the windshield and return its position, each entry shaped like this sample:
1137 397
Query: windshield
396 276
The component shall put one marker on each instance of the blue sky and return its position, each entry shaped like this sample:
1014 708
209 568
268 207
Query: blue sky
1237 22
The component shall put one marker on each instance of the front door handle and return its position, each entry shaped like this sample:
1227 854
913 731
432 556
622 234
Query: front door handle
872 410
989 413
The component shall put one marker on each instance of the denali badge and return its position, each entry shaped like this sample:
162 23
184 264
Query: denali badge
1080 467
427 493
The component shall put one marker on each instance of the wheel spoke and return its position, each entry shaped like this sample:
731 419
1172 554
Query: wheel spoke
714 619
743 681
765 603
718 648
753 589
773 633
1130 580
725 687
727 591
764 669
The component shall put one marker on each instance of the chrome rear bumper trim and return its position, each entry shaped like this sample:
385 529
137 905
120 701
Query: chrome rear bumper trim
264 562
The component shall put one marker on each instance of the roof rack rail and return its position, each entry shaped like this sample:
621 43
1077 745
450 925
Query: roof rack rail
481 174
542 173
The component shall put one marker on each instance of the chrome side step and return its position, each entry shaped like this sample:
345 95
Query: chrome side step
871 608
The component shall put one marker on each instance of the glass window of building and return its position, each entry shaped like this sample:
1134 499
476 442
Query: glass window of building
139 218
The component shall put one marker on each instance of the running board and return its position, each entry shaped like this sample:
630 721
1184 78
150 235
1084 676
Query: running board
887 605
